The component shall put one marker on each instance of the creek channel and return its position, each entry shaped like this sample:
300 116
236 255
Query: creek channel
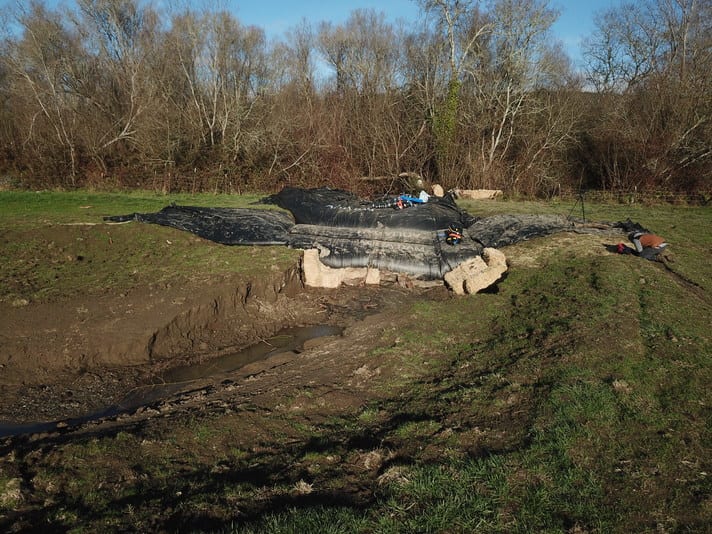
176 379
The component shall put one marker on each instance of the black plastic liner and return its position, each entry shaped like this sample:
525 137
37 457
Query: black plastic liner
502 230
335 207
228 226
421 253
353 233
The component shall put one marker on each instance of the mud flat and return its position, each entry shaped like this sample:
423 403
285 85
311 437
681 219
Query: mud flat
88 359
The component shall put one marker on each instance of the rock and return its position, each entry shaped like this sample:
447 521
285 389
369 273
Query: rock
478 194
316 274
477 273
438 190
373 276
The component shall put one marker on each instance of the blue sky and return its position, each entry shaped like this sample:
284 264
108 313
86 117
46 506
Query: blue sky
576 22
275 17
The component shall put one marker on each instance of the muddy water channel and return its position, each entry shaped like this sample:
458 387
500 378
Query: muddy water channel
176 379
286 340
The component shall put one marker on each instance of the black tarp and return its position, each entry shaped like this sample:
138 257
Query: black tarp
421 253
228 226
350 232
502 230
338 208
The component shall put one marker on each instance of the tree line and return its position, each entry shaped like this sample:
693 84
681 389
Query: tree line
474 94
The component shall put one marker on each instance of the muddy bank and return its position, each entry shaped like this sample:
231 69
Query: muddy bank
332 374
141 325
218 367
63 361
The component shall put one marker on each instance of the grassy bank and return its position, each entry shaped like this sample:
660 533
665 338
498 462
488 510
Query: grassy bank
573 399
56 245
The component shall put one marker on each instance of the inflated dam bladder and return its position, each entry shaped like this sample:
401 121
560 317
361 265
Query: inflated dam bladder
420 253
342 209
398 234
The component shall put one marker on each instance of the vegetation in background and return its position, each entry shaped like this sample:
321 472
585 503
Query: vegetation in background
125 94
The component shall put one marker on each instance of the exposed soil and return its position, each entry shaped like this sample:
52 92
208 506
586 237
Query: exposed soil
280 431
67 359
80 367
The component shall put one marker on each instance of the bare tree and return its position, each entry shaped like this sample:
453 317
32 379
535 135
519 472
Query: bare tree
475 94
219 69
295 60
656 56
623 50
462 27
37 64
362 51
519 46
118 30
365 55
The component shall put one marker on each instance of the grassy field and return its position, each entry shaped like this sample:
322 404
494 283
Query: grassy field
56 245
576 398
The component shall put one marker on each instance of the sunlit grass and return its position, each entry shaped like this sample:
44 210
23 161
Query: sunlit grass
57 245
574 399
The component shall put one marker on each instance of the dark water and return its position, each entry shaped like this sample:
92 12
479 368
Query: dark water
176 379
286 340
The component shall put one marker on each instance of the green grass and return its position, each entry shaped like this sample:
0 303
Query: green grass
31 209
575 399
608 362
57 245
686 228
